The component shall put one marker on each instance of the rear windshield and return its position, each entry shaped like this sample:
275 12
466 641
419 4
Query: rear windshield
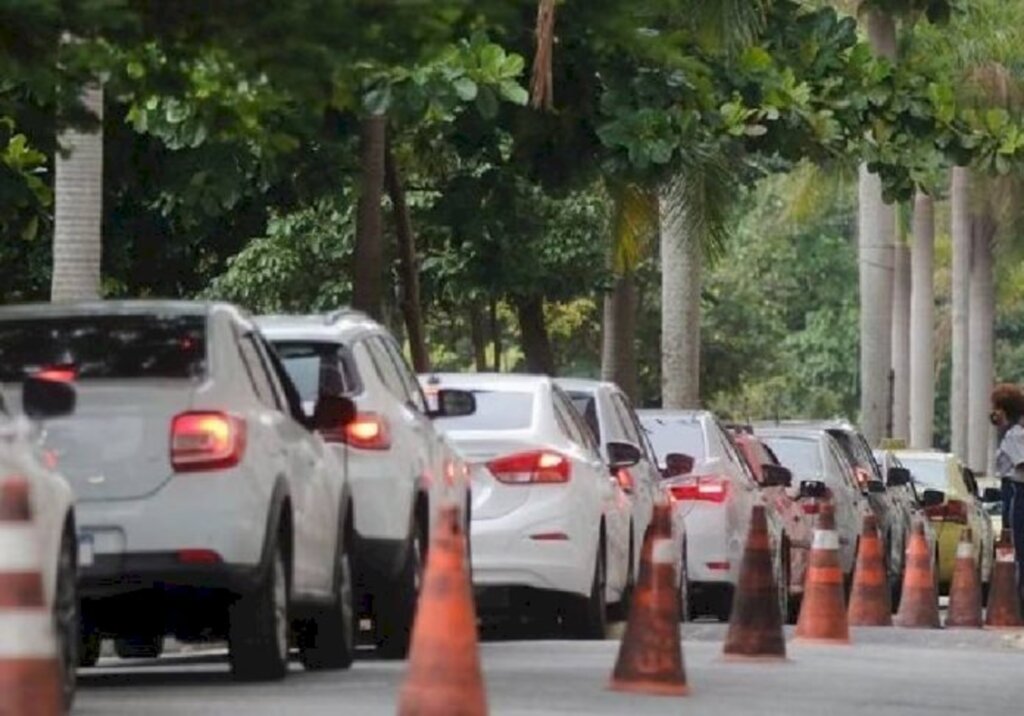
678 436
315 369
495 410
931 474
92 347
801 456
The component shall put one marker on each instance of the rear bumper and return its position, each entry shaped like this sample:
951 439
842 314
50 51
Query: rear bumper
111 576
710 559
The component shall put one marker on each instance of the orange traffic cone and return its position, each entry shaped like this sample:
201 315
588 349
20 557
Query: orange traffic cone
755 629
444 677
823 613
965 592
870 601
30 683
1003 597
919 607
651 655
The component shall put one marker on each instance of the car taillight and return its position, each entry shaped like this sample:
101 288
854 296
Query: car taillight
706 489
950 511
206 441
625 479
811 507
57 373
369 431
541 466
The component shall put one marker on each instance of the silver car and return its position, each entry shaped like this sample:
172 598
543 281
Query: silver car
712 486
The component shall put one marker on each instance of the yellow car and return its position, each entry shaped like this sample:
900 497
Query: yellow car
949 495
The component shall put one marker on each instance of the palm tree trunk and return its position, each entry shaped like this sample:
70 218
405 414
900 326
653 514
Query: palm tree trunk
901 341
681 267
368 253
496 334
922 324
960 221
876 223
540 359
78 189
618 349
408 263
981 338
476 336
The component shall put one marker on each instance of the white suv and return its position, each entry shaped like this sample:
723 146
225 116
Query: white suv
22 458
401 469
207 507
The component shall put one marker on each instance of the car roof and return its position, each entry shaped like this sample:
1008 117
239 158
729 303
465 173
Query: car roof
333 326
114 308
935 455
800 433
585 385
690 416
808 424
487 381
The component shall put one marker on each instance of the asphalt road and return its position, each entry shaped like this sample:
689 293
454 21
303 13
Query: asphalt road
886 671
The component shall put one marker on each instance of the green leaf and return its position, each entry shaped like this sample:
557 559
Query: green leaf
487 103
466 89
512 92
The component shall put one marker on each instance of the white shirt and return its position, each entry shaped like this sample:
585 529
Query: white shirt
1011 454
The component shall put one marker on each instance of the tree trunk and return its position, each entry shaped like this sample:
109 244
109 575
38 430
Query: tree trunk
922 324
618 345
981 339
77 227
496 334
476 336
876 222
960 227
534 332
368 259
408 266
901 341
681 266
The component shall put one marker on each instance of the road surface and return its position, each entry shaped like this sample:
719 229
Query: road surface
886 671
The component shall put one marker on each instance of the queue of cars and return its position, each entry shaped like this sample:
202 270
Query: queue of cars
272 483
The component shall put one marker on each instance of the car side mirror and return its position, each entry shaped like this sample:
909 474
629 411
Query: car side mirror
932 498
897 477
775 476
677 464
332 414
42 398
875 487
622 455
813 488
992 494
453 403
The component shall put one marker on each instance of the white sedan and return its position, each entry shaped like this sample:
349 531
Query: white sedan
22 458
550 528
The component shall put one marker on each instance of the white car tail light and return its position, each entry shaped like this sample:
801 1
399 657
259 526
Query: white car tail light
369 431
526 468
206 441
705 489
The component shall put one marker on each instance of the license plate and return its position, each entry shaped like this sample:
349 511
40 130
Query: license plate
86 553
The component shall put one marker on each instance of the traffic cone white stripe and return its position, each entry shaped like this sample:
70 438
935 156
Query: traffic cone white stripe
26 634
19 550
964 550
1004 555
825 539
662 552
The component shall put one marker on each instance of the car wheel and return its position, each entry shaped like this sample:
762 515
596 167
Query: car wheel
622 608
587 617
89 645
721 602
328 640
258 628
395 603
66 619
146 646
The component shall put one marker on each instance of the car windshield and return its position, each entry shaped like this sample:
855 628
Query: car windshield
670 435
495 411
801 455
931 474
92 347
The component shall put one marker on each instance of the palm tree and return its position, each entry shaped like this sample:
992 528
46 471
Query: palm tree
901 340
922 323
960 228
78 189
368 252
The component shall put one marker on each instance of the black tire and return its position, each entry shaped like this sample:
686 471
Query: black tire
621 610
258 627
145 646
89 645
721 602
66 618
328 640
685 602
395 603
587 617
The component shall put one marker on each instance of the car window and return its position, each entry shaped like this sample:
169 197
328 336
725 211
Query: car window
586 404
929 474
283 382
413 392
675 435
571 423
733 453
257 371
840 463
801 455
637 431
495 411
386 368
316 369
625 416
105 347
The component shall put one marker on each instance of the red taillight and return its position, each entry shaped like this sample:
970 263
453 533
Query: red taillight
625 479
206 441
369 431
950 511
57 374
705 489
811 507
524 468
198 556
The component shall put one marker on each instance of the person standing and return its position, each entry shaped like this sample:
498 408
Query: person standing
1007 413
